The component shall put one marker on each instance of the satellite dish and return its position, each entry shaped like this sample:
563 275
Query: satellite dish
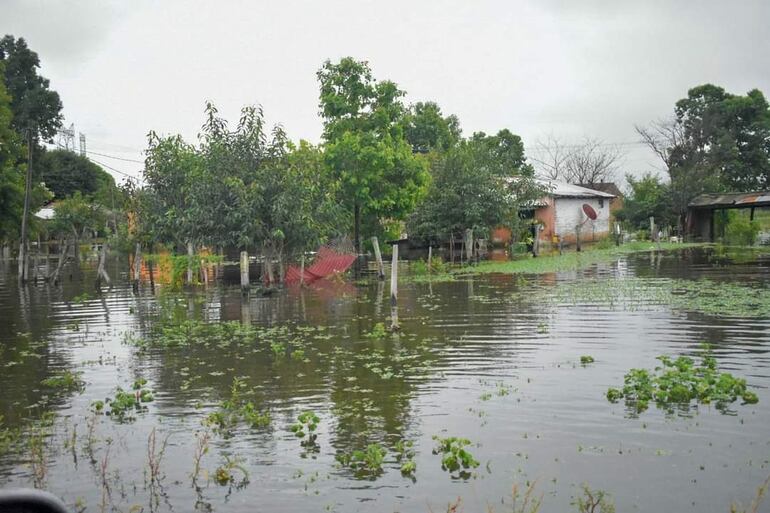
589 211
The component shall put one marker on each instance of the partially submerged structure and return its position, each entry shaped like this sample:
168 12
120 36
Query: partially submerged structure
701 210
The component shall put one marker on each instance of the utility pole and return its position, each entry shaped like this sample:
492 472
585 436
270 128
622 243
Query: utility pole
24 244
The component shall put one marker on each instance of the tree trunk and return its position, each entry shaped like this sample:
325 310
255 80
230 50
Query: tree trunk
24 242
357 229
63 250
101 271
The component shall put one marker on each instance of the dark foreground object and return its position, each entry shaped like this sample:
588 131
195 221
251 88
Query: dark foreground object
30 501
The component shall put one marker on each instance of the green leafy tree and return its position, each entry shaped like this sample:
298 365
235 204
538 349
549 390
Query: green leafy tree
427 129
648 196
366 150
169 208
479 184
34 105
716 142
76 217
65 172
11 177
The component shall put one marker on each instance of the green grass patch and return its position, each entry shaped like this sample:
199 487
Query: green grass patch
570 261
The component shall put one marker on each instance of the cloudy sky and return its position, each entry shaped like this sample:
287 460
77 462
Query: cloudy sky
573 69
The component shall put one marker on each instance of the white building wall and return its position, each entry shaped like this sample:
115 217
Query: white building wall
569 212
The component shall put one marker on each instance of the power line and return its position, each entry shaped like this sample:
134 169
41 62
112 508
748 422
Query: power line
115 170
114 157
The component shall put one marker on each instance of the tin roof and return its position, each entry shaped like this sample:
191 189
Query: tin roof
566 190
733 199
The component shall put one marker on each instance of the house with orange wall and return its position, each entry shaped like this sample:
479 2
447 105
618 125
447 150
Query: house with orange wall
561 211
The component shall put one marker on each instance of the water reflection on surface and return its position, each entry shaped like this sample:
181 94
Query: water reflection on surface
488 358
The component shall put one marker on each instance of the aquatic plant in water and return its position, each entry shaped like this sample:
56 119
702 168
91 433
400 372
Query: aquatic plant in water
367 462
231 411
405 456
305 427
454 455
378 331
125 402
586 359
680 381
66 380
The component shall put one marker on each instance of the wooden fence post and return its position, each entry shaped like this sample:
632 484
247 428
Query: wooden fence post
430 258
244 272
302 271
469 245
137 266
190 254
101 272
394 326
378 256
577 237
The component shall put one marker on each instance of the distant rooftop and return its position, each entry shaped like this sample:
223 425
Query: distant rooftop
732 199
608 187
567 190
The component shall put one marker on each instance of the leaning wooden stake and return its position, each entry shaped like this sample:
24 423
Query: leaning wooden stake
101 272
245 272
378 256
394 326
430 258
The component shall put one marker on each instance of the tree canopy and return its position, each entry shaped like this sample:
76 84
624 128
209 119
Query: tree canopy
365 148
34 105
65 172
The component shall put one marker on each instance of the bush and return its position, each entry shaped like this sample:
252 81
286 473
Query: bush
740 231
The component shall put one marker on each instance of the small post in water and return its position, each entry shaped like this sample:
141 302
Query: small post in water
190 255
469 245
430 258
577 237
244 272
394 326
378 256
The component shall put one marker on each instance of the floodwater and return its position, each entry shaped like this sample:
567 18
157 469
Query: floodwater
486 358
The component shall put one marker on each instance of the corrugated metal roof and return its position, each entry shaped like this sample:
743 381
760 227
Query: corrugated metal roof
567 190
733 199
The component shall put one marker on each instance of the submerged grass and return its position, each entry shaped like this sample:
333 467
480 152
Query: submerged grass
571 261
706 296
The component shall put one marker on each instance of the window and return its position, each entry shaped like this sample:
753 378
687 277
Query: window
601 202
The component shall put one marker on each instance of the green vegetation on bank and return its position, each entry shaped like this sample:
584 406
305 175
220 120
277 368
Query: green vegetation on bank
571 261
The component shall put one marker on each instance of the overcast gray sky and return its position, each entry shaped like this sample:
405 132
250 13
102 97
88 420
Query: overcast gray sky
571 68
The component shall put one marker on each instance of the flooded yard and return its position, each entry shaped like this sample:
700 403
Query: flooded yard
300 401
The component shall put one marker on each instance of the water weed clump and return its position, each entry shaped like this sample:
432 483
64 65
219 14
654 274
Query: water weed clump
365 463
594 501
454 455
679 382
67 380
586 359
405 456
124 403
236 409
378 331
305 427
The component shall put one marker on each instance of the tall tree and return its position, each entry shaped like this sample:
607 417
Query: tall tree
427 129
478 184
11 176
365 146
716 141
65 172
34 105
588 162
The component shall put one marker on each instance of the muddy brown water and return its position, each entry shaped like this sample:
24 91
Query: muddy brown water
482 357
